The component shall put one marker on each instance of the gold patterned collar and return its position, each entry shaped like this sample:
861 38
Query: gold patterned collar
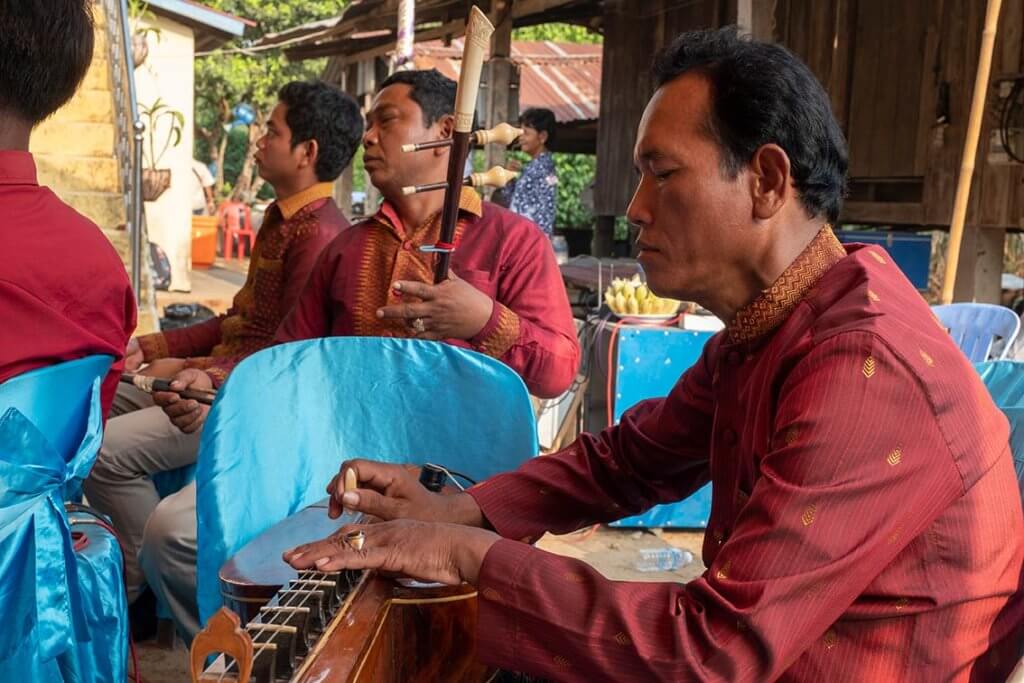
469 201
774 304
292 205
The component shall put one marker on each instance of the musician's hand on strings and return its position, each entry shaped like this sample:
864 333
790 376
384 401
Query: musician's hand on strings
186 414
389 491
453 309
133 356
446 553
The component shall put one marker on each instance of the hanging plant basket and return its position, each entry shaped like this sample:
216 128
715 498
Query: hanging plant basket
140 48
155 182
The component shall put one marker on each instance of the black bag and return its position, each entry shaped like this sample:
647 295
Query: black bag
183 315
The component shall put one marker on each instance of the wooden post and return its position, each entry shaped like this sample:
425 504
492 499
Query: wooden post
963 189
981 256
499 81
343 191
604 236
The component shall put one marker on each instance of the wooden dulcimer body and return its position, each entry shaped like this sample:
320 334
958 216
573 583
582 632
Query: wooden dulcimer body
342 626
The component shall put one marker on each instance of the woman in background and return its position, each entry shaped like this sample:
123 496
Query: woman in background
534 193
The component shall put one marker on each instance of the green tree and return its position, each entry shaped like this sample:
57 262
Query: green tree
559 33
233 75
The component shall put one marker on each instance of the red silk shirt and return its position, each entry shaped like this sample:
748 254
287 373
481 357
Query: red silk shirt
294 232
501 254
865 525
64 293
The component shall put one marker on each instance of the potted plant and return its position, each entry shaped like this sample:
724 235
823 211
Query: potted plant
155 181
138 10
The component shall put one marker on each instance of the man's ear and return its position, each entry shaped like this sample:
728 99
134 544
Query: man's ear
445 130
770 180
311 152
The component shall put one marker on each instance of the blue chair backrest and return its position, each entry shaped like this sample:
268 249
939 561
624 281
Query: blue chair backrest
56 398
1005 382
289 415
975 327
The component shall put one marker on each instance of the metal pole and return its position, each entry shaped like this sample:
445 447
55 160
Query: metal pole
963 189
136 202
135 191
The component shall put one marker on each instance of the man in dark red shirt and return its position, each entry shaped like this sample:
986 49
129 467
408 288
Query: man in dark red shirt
866 523
311 136
505 299
64 293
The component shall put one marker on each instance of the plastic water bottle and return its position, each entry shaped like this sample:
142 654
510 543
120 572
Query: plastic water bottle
662 559
561 249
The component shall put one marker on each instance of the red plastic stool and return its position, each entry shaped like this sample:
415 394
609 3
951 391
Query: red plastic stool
236 219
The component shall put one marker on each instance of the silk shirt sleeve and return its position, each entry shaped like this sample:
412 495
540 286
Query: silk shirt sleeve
857 468
657 453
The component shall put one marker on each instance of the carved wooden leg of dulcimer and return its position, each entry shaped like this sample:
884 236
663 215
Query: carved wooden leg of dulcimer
270 647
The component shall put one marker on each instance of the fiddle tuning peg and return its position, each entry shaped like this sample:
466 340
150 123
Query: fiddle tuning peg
501 134
493 177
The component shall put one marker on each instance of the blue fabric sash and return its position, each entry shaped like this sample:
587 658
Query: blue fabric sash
40 594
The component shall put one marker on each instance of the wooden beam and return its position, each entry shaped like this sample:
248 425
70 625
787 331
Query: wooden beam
378 49
886 213
499 81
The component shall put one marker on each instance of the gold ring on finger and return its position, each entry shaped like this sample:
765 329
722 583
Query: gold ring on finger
419 325
355 539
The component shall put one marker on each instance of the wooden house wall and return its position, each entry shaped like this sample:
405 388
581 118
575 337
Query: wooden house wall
884 65
633 32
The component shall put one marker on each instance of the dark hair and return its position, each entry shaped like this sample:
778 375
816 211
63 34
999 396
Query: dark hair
541 120
764 94
45 50
433 91
317 111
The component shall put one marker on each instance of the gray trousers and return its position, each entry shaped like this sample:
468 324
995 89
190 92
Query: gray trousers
168 558
139 441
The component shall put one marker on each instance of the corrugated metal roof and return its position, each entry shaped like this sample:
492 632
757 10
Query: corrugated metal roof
562 77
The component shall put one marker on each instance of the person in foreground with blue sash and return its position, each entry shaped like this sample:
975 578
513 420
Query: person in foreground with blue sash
66 312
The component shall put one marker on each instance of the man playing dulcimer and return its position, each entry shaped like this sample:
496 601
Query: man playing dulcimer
504 298
866 523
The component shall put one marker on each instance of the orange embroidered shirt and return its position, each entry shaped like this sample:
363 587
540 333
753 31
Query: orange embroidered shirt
500 253
865 522
294 232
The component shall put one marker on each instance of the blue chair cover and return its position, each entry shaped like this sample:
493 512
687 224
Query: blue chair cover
975 327
289 415
65 615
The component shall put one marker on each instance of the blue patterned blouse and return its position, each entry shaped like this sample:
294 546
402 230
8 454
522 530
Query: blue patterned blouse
535 190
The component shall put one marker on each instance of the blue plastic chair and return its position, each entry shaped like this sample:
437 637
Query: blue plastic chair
64 611
288 416
976 327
